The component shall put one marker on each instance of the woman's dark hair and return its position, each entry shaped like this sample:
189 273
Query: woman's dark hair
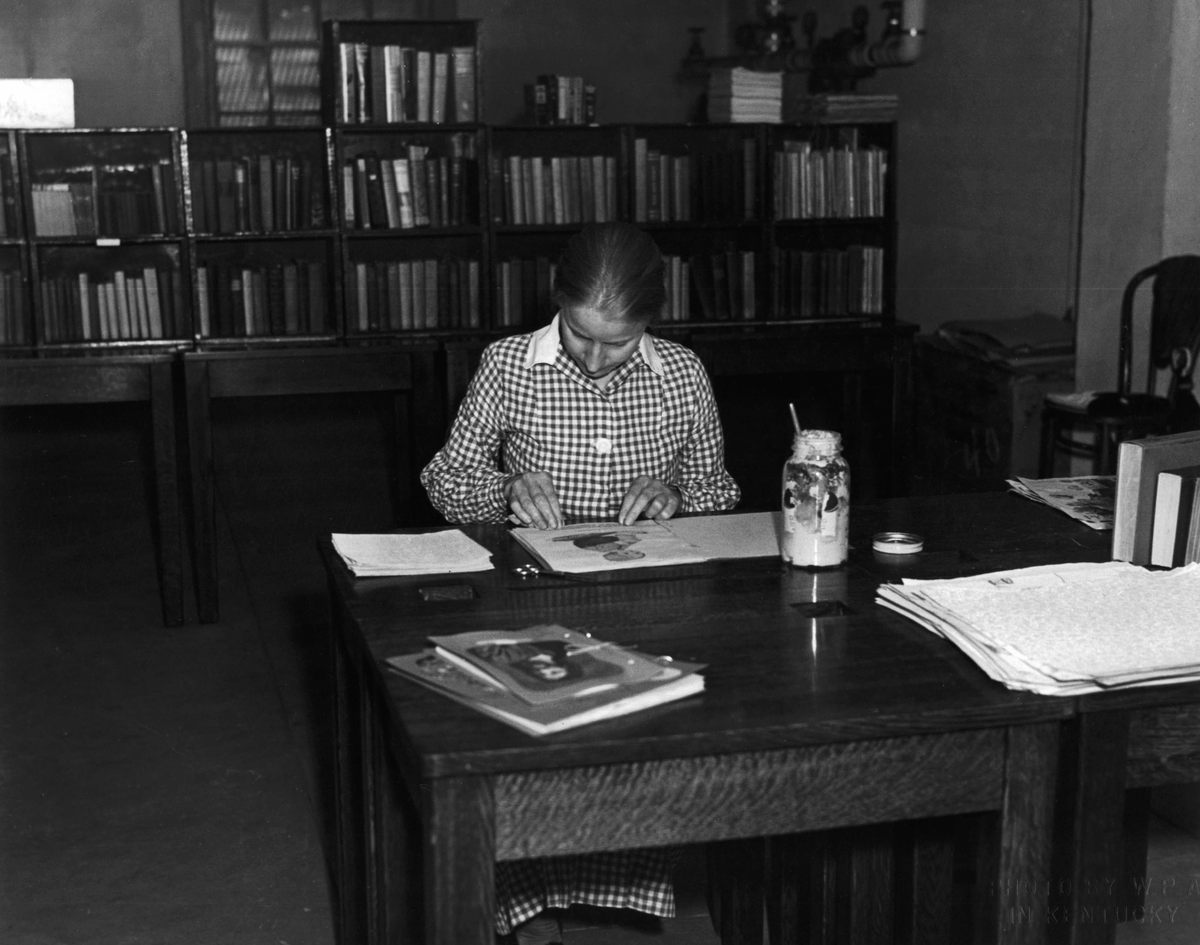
614 268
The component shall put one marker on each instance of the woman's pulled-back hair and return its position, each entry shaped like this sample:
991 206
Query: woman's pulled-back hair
614 268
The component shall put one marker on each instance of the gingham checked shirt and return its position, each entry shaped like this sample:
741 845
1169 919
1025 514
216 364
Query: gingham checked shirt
529 408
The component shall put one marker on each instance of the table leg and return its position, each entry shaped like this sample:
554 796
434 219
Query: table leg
204 513
460 846
349 856
166 493
1025 867
1093 852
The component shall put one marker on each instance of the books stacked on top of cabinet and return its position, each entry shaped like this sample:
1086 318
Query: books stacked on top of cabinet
1065 629
798 106
739 94
1156 519
547 678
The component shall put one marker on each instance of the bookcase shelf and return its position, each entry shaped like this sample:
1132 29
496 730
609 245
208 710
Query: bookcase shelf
400 72
366 233
104 228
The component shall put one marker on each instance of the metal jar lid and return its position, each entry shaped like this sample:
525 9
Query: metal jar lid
897 543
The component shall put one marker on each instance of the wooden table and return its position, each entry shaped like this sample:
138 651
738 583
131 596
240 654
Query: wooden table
822 710
119 379
210 375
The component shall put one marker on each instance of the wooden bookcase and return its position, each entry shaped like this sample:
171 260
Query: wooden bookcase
544 183
16 323
104 225
264 249
411 72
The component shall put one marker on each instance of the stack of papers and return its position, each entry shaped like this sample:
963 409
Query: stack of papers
547 678
441 552
744 95
1066 629
1087 499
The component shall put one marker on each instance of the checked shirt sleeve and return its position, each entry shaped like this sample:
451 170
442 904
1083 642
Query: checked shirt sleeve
463 480
704 483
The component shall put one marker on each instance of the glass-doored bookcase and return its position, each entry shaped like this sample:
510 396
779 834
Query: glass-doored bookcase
264 245
106 238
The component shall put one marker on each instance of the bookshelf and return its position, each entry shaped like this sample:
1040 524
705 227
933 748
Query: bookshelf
263 244
833 238
410 72
544 183
16 328
780 242
370 231
413 240
104 230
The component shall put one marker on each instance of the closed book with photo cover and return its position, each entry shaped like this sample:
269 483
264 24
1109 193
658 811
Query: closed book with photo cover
548 663
674 680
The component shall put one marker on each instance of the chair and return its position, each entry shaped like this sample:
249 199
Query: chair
1113 416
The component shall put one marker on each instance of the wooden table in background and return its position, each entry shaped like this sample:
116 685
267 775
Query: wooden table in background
822 710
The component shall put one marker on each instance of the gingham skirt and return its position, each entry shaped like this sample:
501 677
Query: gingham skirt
624 879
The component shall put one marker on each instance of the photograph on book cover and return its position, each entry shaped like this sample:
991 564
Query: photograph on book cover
547 663
601 546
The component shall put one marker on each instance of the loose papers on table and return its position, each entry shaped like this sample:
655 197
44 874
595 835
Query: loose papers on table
441 552
1066 629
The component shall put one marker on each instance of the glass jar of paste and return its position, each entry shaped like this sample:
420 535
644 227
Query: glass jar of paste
816 501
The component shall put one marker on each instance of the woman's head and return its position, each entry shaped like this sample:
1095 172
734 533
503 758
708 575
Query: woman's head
613 268
609 285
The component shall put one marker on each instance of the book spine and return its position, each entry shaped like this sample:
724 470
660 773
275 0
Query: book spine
463 67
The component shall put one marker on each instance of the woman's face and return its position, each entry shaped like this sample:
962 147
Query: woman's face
596 342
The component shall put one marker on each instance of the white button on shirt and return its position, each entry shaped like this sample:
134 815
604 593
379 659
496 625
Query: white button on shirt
603 445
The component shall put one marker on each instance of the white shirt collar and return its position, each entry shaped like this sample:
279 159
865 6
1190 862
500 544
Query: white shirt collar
544 344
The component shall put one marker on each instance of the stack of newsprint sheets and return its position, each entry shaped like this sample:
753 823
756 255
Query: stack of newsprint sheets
1088 499
441 552
1066 629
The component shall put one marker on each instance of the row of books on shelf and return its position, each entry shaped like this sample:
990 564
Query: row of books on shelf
133 304
107 200
13 317
829 283
285 298
398 295
715 185
1156 517
257 194
560 189
828 182
395 84
561 100
417 190
522 289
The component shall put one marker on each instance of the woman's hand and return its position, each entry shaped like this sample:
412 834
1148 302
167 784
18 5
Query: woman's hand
651 498
533 501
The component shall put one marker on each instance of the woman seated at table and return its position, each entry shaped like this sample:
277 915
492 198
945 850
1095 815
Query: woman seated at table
587 419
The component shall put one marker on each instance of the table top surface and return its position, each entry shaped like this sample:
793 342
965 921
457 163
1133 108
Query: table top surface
793 657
